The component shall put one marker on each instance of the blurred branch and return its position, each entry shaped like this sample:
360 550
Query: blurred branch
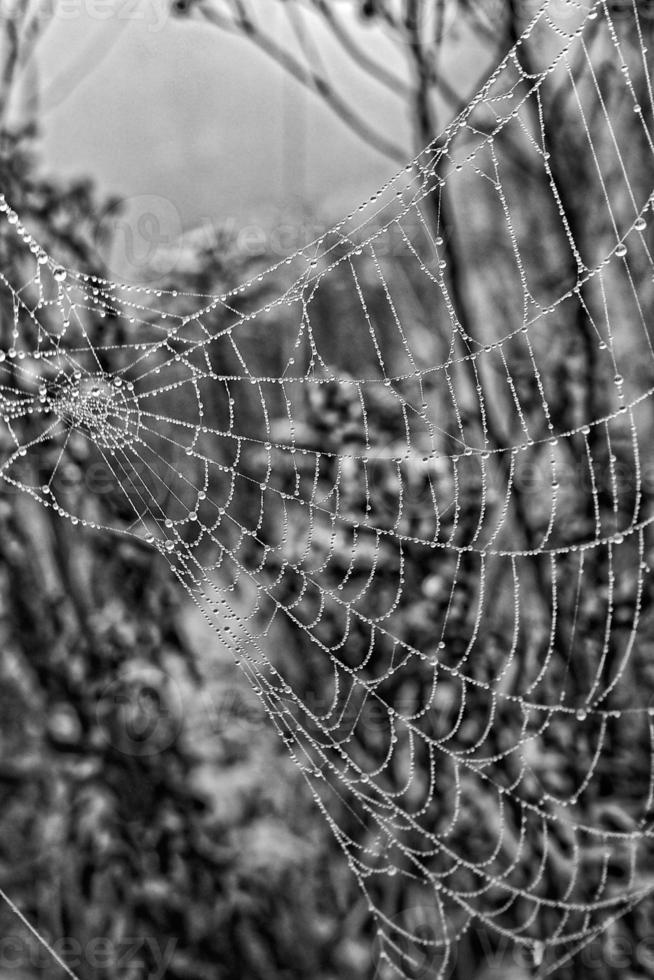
22 30
393 82
441 219
10 61
309 79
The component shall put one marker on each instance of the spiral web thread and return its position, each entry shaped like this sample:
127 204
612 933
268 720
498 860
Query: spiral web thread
462 750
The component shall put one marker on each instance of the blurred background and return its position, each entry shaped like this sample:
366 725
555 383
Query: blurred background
152 823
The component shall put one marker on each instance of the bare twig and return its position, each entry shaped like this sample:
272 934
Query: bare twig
393 82
310 79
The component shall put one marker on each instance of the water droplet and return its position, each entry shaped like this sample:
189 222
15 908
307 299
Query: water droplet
582 714
537 953
621 250
59 274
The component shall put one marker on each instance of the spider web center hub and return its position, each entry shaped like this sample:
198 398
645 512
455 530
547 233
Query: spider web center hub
103 407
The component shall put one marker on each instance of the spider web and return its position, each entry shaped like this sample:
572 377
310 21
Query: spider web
449 528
